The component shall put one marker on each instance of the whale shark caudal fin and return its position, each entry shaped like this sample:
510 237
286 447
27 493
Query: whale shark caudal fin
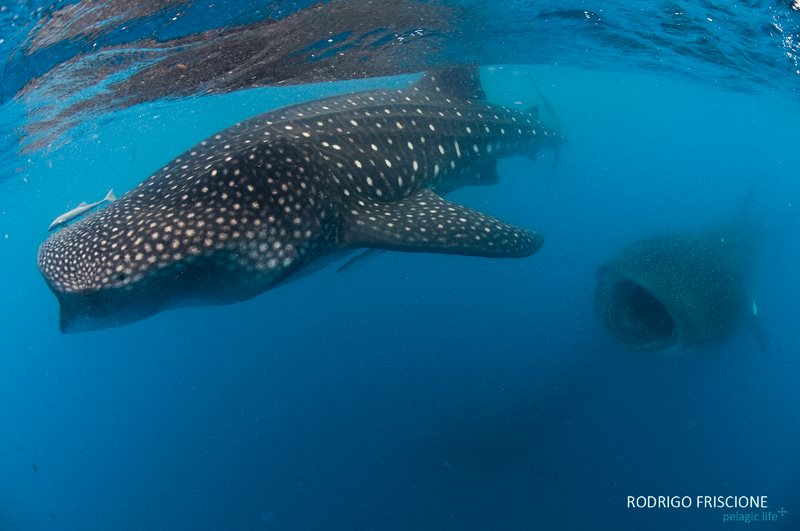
424 222
461 82
556 157
555 122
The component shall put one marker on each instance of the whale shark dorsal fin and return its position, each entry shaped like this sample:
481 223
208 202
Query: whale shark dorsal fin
424 222
460 82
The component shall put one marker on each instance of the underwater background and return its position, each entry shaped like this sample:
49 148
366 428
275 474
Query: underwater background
414 391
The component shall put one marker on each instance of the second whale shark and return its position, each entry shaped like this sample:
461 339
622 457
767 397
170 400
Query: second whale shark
252 205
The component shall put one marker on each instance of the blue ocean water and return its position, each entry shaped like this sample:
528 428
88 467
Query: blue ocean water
425 391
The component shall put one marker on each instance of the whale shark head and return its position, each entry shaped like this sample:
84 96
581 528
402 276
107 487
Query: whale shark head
180 240
95 294
101 281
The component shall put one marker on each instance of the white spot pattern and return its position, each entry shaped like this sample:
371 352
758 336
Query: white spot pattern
266 195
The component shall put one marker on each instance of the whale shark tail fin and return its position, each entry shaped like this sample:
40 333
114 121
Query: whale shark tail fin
556 157
533 155
551 117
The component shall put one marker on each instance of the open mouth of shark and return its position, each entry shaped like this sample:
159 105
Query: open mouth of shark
637 317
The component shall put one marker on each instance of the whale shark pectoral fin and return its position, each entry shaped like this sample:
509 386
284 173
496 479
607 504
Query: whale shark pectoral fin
424 222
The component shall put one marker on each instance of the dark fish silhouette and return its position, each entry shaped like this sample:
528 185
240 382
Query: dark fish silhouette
250 206
681 289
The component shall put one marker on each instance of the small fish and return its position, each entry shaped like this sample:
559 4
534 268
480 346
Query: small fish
80 209
35 468
755 308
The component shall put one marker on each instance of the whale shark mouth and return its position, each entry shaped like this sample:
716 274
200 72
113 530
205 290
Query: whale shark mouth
635 316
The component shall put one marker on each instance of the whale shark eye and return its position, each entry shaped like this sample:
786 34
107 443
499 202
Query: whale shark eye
121 277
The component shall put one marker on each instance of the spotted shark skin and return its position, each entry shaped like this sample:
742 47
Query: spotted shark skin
250 206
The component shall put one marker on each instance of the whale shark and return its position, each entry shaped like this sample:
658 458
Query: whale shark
682 291
251 206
